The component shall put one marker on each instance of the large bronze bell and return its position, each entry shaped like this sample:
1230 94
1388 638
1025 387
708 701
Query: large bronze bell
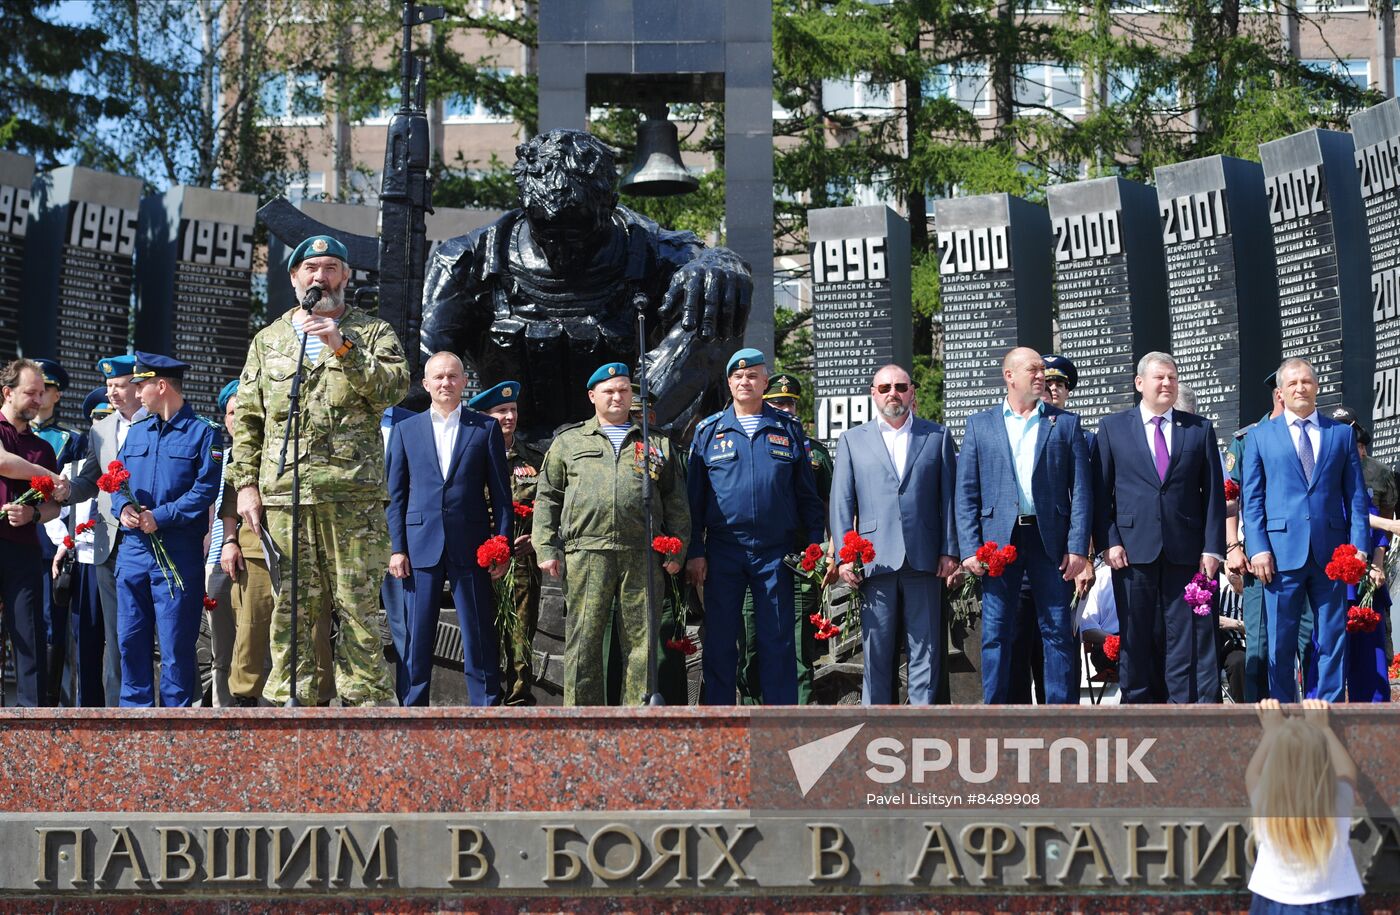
657 170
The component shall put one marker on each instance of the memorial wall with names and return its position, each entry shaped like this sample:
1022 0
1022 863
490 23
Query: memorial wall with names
1110 287
1323 262
1220 285
994 275
861 316
1376 132
16 176
80 276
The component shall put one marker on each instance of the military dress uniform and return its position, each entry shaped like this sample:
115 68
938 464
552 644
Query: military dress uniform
589 513
752 498
174 466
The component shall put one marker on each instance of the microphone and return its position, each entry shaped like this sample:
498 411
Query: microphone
313 295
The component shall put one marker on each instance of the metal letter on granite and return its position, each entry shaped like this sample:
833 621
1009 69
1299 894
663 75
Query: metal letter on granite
1377 135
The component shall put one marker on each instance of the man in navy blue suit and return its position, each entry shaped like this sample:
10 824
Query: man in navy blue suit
1023 480
1159 501
442 463
1303 496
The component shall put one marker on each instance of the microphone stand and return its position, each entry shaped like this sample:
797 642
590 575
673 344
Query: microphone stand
292 435
653 693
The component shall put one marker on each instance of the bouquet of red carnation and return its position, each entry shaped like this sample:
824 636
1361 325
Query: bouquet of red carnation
1232 490
670 550
994 559
522 509
1395 667
858 552
40 490
117 479
85 527
1111 646
494 552
1362 619
210 604
1346 565
826 629
683 644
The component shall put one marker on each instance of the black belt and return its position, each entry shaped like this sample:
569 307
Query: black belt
1025 520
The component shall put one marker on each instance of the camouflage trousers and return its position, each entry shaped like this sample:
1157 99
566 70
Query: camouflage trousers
595 581
518 636
808 598
344 549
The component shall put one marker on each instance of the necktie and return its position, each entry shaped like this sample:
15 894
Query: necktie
1305 451
1160 445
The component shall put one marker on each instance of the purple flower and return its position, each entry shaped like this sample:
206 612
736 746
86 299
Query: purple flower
1200 594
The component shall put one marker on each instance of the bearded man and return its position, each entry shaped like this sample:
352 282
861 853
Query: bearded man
354 369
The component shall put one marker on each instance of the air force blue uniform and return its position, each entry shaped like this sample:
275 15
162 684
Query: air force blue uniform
174 469
753 499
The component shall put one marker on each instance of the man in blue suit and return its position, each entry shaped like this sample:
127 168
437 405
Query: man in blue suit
1159 501
893 482
1023 480
1303 496
442 463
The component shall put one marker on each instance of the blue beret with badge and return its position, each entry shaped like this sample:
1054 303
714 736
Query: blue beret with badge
745 358
54 373
317 246
1057 366
116 366
228 391
505 392
609 370
96 398
154 365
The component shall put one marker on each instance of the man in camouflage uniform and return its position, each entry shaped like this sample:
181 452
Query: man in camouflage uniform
589 525
524 460
354 369
783 393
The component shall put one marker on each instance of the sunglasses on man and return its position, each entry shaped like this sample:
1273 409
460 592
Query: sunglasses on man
900 386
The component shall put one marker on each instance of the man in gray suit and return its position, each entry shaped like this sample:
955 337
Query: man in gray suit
893 484
103 442
1023 480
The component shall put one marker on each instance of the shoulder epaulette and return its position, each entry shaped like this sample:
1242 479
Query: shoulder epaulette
1241 433
709 420
147 418
209 422
566 427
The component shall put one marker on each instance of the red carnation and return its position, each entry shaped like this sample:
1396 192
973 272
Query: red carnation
523 509
667 546
1110 647
210 604
42 485
986 551
1008 554
811 556
85 527
1346 565
1232 490
495 551
68 541
683 644
1362 619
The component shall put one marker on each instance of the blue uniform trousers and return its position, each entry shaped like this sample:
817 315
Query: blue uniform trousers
1001 599
476 615
147 607
395 601
915 600
22 576
1286 602
731 570
89 637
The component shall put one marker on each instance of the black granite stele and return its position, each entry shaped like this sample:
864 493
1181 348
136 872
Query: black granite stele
1110 287
1221 287
195 285
16 176
861 316
1376 132
1323 262
994 267
79 276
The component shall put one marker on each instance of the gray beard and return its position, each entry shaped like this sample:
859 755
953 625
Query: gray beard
893 410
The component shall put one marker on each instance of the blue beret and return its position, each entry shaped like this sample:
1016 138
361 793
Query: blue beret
97 397
743 359
611 370
228 391
1057 366
54 373
317 246
154 365
505 392
116 366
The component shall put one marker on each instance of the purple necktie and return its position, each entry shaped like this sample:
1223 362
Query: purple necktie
1160 444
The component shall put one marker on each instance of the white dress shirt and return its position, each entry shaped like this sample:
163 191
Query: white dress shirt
1314 432
896 441
445 429
1151 430
123 427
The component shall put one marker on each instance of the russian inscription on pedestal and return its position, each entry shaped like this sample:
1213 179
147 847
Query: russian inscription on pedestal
1324 264
80 276
1376 132
1110 287
860 309
16 175
196 276
994 285
1220 284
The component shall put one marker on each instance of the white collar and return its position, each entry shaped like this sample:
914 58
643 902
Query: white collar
886 427
1147 415
1290 417
439 418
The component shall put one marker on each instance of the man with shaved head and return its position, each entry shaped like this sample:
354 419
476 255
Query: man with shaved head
1024 481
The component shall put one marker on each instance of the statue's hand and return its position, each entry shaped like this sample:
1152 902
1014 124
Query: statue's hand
712 294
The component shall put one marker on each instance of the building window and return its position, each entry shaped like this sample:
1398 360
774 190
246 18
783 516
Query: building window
856 95
468 109
787 293
312 187
1043 85
966 84
1124 84
292 98
1356 71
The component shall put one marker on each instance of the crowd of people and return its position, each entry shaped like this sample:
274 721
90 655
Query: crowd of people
1137 547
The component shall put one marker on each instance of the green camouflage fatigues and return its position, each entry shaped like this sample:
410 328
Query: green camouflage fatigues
588 513
344 540
806 594
517 642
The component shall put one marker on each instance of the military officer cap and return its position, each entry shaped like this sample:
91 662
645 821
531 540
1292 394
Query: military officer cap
783 386
154 365
317 246
1057 366
637 396
228 391
53 373
610 370
116 366
745 358
96 398
1347 417
505 392
1271 382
